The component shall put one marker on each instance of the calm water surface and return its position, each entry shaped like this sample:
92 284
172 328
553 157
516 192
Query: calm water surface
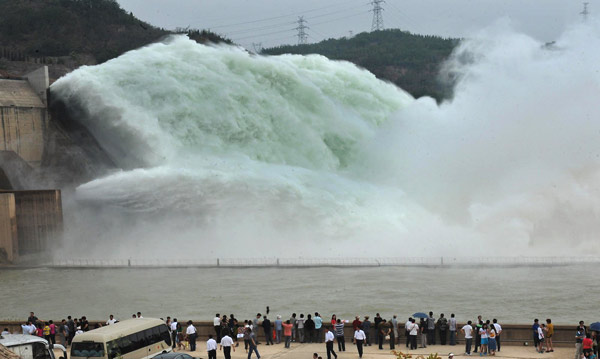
513 295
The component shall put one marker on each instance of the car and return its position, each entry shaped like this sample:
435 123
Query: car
174 355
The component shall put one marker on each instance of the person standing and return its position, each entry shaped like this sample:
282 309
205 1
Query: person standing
467 330
498 328
52 331
71 325
587 345
407 326
536 337
366 327
252 344
423 332
477 336
339 335
356 324
300 326
287 332
173 329
413 331
359 340
309 329
64 332
390 334
111 320
581 332
442 324
549 334
377 321
226 345
483 334
395 329
381 333
318 327
266 324
294 327
431 329
278 329
255 327
329 343
191 335
452 327
540 332
211 347
493 334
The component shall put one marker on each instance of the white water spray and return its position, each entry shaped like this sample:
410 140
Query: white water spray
229 154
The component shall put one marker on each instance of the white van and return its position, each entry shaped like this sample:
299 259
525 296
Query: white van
31 347
140 338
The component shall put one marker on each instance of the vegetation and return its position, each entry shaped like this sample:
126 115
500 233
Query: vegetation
75 28
408 60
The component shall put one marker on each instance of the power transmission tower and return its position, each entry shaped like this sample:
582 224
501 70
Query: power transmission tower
377 15
302 35
257 46
585 11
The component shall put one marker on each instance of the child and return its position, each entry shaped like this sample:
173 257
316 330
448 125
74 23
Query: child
587 345
540 331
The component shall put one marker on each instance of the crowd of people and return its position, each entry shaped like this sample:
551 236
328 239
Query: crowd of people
481 336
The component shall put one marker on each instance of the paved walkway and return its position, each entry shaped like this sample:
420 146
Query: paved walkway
305 351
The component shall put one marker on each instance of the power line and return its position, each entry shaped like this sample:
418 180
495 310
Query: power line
277 17
377 24
302 35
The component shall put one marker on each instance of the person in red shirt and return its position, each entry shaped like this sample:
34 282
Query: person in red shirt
333 319
587 345
356 323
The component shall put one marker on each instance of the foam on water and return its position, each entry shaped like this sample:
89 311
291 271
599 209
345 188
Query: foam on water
242 155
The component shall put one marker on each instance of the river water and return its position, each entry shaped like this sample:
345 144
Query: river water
566 294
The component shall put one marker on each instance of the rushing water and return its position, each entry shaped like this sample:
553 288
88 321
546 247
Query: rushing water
224 153
511 294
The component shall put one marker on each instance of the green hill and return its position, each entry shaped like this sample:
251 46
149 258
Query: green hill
89 31
408 60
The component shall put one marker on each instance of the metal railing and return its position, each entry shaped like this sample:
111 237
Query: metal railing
320 262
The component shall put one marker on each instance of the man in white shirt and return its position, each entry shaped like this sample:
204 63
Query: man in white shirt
111 320
217 325
28 328
226 345
407 326
498 332
139 315
467 330
329 344
413 330
174 332
211 347
359 339
192 334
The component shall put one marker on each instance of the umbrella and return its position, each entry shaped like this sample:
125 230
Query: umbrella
423 315
595 326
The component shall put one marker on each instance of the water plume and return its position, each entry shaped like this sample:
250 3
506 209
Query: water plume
223 153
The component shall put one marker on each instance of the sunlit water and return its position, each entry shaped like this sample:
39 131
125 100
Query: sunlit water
513 295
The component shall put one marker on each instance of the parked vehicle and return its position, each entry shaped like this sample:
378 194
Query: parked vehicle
140 338
31 347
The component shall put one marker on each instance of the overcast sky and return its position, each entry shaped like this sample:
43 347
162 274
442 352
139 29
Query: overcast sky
272 22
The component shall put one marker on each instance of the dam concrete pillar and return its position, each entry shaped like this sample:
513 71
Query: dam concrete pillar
9 244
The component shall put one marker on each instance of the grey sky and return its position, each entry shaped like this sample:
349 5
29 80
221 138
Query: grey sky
271 22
